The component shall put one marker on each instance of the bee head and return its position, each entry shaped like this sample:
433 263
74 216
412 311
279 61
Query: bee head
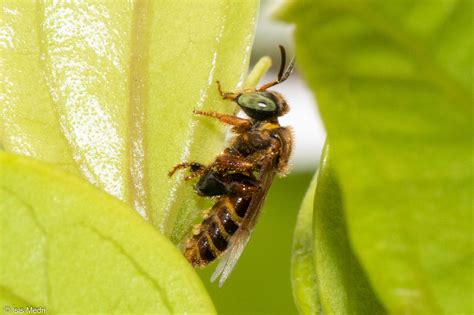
262 105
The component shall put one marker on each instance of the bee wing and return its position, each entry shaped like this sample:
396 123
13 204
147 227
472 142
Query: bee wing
241 237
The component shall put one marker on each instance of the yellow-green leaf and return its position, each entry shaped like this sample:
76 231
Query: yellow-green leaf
343 286
71 248
326 276
106 89
303 270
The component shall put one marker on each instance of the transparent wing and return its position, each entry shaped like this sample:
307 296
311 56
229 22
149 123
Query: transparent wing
241 237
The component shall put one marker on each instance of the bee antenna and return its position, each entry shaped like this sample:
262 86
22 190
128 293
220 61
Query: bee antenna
282 62
282 73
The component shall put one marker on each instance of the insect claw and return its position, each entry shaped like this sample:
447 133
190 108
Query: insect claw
171 173
226 95
219 88
193 166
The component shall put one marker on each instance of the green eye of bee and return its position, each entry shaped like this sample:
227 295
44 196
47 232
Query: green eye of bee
257 102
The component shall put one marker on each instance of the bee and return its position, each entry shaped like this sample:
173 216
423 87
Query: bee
240 176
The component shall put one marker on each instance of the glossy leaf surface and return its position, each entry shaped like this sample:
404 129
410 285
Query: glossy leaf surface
71 248
106 90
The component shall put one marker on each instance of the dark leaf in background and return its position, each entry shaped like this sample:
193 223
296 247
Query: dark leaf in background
342 283
393 82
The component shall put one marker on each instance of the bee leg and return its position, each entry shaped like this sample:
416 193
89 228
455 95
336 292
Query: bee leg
243 190
206 213
258 158
240 123
231 162
193 167
226 95
196 174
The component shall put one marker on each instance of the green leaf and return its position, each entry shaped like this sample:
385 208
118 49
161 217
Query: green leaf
71 248
106 89
393 81
303 270
342 284
326 276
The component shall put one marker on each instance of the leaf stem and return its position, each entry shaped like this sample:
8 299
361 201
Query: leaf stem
258 71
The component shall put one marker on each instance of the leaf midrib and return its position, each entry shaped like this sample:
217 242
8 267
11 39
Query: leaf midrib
138 99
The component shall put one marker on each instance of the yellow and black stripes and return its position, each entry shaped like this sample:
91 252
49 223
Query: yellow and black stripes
213 235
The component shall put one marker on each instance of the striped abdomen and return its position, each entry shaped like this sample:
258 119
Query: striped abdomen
212 236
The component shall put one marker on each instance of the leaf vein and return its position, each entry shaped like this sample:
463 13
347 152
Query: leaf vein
135 264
